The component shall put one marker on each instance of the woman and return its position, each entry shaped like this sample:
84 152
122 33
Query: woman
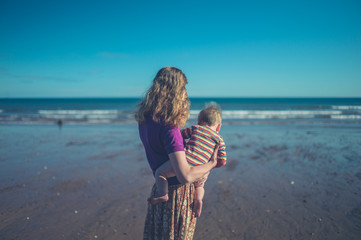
164 109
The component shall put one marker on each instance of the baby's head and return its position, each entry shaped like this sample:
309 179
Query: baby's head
211 116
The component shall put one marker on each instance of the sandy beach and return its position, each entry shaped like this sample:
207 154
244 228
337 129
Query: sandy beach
92 181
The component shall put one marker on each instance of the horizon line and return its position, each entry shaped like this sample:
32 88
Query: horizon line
137 97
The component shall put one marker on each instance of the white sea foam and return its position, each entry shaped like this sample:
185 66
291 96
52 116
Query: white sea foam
11 117
347 107
272 114
119 117
79 116
80 112
98 121
343 117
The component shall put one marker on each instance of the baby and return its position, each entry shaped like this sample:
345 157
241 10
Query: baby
203 138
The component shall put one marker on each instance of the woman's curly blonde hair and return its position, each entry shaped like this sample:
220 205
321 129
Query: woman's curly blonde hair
167 100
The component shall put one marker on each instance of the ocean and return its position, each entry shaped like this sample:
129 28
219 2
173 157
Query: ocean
234 110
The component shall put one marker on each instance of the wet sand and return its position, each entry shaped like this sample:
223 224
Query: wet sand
92 182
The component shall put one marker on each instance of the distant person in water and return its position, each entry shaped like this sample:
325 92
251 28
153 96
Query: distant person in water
203 138
60 123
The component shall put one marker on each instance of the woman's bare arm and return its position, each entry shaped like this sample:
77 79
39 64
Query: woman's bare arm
187 174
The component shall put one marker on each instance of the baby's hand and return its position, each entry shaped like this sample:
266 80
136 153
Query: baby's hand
220 163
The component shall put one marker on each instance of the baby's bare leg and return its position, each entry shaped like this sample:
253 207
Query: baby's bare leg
198 198
199 194
198 202
161 174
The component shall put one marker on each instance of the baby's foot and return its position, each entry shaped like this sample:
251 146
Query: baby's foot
156 200
197 208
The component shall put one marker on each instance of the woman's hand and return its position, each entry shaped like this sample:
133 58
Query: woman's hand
213 159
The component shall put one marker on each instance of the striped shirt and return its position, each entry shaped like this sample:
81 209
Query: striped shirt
201 144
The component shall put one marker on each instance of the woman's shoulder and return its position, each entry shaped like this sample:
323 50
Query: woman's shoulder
160 126
169 130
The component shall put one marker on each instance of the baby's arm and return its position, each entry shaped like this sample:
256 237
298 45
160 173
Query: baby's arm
222 156
187 133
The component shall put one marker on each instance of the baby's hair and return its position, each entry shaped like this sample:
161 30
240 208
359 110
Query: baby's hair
210 115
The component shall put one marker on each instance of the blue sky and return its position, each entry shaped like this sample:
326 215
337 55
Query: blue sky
226 48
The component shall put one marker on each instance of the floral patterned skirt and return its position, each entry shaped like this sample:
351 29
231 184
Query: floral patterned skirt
171 220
